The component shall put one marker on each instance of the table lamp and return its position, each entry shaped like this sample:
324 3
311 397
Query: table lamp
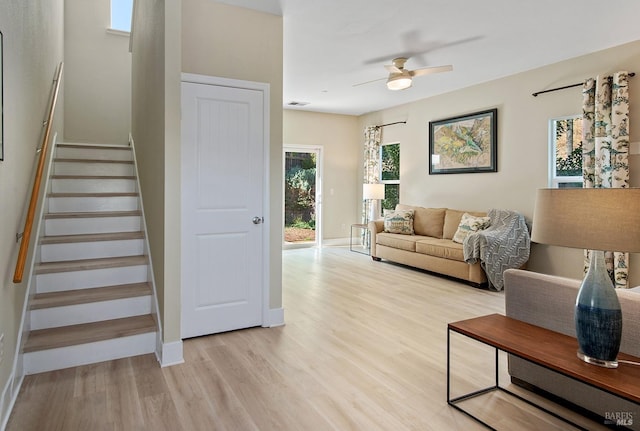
598 220
373 193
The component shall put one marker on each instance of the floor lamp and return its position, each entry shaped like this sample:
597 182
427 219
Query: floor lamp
598 220
373 193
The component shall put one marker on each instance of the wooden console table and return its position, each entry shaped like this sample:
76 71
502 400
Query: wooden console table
549 349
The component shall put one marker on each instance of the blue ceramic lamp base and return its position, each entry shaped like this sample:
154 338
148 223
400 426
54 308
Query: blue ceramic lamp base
598 316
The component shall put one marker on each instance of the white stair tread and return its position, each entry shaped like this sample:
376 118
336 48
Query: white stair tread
89 264
51 338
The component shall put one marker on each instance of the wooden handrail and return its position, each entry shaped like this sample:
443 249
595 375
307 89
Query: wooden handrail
33 202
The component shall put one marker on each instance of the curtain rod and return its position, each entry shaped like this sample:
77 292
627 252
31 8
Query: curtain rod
391 124
631 74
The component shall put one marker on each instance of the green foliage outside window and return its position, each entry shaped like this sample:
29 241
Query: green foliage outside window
300 190
391 196
390 174
568 147
571 165
390 162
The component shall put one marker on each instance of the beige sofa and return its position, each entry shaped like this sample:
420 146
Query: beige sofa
431 248
548 301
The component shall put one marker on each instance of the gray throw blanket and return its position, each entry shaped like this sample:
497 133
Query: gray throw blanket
503 245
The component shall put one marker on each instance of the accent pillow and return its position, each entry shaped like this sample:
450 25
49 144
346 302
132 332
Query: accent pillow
469 224
399 221
429 221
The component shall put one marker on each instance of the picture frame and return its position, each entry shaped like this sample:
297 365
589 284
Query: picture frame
464 144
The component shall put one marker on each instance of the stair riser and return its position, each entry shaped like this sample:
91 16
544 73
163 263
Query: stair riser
70 226
93 186
76 168
59 281
90 250
90 353
91 312
93 204
93 153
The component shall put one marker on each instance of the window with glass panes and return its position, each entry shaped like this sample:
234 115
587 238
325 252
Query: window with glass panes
565 144
390 174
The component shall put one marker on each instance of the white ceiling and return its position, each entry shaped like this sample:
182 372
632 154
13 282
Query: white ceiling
329 45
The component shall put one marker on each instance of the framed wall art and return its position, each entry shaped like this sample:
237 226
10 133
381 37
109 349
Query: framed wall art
464 144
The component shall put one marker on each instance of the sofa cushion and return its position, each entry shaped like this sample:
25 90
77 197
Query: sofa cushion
427 221
399 221
452 221
438 247
469 224
399 241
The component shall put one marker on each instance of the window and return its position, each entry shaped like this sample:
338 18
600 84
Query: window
565 136
390 174
121 15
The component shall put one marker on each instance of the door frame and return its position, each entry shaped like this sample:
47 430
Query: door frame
265 89
319 166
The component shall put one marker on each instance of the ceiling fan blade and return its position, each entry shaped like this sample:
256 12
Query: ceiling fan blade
414 47
392 68
369 82
430 70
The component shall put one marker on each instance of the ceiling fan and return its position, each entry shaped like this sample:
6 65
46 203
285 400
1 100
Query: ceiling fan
400 78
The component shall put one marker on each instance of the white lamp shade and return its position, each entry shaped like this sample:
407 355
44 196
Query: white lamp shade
373 191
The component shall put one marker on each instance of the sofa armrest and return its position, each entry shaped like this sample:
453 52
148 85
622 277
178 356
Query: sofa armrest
375 227
543 300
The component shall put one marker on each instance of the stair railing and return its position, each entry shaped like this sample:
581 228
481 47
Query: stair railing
33 202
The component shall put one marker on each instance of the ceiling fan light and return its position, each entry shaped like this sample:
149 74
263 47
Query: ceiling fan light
399 82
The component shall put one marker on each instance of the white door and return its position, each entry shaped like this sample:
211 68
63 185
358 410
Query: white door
222 208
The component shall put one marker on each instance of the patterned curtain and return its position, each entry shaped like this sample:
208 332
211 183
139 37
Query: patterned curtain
372 139
605 147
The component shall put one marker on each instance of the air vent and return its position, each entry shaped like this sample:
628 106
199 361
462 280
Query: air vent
294 103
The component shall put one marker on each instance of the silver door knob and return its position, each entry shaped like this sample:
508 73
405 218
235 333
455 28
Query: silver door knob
257 220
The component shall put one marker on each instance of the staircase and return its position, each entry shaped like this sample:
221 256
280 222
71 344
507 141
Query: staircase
93 299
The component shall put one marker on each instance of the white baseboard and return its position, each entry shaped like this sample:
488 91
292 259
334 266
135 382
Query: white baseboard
276 317
171 354
336 242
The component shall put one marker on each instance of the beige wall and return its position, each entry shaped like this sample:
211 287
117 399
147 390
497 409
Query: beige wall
172 139
255 55
32 49
98 75
156 133
340 137
522 143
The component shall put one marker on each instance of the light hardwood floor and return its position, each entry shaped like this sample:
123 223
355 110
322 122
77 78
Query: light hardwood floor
364 348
